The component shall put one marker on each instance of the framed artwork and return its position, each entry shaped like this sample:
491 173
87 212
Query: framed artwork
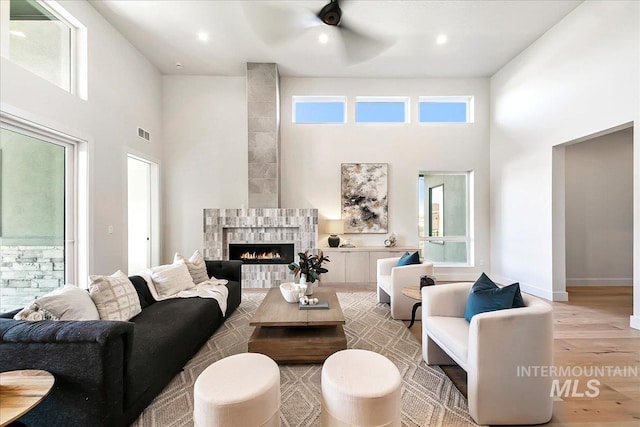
364 197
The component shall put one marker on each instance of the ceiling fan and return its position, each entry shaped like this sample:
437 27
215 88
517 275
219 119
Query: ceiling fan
278 24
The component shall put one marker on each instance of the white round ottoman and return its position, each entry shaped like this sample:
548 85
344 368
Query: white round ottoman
239 390
360 388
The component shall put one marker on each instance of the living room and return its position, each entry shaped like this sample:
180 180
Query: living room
576 81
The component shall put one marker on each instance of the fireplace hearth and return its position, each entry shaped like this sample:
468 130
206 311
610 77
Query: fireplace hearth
262 253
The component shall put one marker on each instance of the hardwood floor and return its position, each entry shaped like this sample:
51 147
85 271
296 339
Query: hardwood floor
590 330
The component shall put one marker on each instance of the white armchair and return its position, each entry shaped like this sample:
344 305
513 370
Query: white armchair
390 281
492 348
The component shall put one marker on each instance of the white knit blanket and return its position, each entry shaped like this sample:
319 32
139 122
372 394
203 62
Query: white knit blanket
212 288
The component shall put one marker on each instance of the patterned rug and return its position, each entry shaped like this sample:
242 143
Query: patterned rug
429 398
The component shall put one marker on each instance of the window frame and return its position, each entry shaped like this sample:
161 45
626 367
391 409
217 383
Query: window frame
78 68
406 100
469 215
296 99
440 213
76 237
466 99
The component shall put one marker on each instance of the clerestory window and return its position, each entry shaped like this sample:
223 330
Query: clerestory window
387 109
319 109
446 109
44 39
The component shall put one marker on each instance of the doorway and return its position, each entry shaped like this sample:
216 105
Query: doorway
142 213
595 201
599 210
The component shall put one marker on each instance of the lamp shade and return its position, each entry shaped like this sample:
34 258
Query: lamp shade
334 226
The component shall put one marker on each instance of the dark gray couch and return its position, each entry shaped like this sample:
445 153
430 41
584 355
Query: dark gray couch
107 372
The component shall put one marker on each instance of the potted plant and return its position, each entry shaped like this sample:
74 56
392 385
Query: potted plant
309 267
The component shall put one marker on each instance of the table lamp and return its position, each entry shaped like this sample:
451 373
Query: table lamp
334 227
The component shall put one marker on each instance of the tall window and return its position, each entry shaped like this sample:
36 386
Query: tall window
443 217
41 40
37 205
319 109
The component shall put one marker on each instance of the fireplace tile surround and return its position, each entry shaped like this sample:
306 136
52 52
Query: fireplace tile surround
259 225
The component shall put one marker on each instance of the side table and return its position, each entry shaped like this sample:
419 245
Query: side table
413 292
20 391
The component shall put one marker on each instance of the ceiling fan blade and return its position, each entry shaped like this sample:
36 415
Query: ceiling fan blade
275 24
360 47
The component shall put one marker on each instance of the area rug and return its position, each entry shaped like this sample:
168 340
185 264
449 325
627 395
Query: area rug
429 398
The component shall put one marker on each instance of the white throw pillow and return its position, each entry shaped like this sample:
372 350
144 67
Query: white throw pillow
115 296
170 279
196 265
67 303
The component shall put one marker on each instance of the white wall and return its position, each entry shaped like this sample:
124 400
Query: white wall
578 79
599 210
205 134
311 156
124 91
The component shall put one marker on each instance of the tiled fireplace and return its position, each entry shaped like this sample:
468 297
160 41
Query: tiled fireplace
271 237
260 227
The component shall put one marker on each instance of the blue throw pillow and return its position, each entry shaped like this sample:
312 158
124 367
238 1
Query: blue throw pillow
408 259
484 282
517 298
486 296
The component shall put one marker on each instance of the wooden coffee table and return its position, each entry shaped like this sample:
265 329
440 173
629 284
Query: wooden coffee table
290 335
20 391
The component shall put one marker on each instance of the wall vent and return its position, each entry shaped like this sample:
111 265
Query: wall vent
144 134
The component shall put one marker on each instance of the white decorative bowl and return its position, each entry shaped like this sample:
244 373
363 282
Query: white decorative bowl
289 291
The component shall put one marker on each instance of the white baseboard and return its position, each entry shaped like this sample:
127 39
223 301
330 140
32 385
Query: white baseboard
560 296
544 293
534 290
634 322
602 281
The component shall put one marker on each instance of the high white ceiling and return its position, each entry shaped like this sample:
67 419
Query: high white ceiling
482 35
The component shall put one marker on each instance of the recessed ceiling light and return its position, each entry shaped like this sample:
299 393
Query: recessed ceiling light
323 38
178 64
203 36
17 33
441 39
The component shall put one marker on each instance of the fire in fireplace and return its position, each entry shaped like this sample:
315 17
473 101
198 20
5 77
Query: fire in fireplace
262 253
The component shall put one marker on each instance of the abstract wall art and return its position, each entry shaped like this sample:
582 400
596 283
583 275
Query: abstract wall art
364 197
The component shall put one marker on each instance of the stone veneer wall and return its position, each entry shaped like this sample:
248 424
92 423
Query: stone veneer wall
257 225
28 272
263 114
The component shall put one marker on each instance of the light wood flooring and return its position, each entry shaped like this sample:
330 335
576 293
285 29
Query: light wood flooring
591 329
